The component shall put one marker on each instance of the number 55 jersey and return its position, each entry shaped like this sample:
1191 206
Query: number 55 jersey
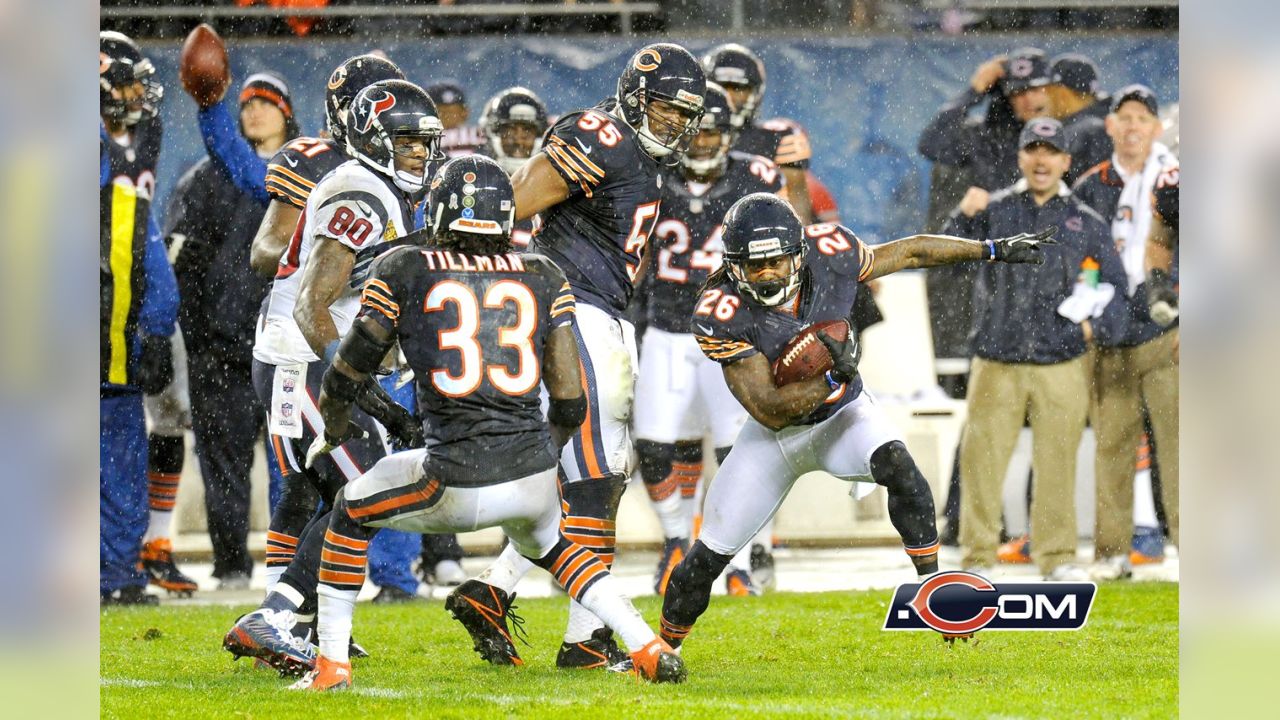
473 328
353 206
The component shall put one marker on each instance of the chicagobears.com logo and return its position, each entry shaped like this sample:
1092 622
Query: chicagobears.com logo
957 603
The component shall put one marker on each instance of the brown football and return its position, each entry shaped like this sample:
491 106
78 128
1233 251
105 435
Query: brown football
804 356
203 69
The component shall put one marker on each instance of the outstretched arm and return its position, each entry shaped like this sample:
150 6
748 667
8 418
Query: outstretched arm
922 251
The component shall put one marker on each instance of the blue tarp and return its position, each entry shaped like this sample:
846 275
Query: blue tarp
863 100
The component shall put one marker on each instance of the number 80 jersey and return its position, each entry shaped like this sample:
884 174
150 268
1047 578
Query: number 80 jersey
352 205
473 328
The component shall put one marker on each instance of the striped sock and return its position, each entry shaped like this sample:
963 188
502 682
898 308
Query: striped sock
343 565
596 599
280 551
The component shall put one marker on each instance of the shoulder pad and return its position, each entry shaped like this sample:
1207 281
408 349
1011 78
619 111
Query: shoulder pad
588 148
841 249
350 205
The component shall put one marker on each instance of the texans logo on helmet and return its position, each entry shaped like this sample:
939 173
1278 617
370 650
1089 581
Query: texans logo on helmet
386 102
645 66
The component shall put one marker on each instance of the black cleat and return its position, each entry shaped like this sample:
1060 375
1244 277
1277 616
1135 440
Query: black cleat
157 563
601 651
132 595
484 610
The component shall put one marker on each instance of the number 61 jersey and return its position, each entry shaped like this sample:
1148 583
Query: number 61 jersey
358 208
473 328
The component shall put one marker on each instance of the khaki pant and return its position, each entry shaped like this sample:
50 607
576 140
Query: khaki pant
1124 380
1001 395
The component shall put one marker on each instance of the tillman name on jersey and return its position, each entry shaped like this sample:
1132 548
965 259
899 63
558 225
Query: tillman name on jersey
445 260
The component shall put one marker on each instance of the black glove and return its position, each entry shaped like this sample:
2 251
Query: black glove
844 355
1162 299
402 426
1023 247
328 441
193 256
155 364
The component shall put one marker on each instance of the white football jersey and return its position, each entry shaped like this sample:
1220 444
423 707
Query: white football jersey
358 208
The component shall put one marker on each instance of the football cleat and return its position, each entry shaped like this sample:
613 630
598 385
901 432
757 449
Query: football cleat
356 650
484 610
600 651
1015 552
267 634
655 662
1116 567
327 676
738 583
157 562
762 567
673 551
131 595
1148 546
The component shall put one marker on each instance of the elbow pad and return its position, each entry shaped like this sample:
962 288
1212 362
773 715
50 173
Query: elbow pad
568 413
362 351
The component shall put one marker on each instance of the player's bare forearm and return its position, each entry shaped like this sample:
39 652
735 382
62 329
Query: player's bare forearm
324 279
537 187
797 193
562 372
922 251
273 236
751 382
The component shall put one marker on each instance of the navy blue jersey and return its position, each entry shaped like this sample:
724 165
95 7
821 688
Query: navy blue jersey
686 240
730 328
1166 196
780 140
598 234
473 329
294 171
126 187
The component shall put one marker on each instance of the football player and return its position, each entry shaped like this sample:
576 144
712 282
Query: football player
392 129
779 277
485 330
139 305
681 395
597 186
514 121
741 72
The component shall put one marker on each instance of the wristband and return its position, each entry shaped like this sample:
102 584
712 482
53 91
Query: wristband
831 381
331 352
991 245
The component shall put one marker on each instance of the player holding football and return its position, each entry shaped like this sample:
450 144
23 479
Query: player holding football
484 330
596 185
392 129
681 395
779 278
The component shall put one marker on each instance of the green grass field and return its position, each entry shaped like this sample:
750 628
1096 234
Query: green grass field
781 655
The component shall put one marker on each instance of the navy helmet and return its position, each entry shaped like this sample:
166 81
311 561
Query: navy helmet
348 79
385 111
717 117
514 105
734 65
761 226
472 195
667 73
120 65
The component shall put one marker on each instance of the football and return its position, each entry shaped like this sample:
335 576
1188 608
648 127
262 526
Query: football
203 68
804 356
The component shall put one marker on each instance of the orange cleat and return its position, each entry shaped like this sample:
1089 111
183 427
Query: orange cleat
673 552
1140 558
657 662
1015 552
328 675
739 583
157 561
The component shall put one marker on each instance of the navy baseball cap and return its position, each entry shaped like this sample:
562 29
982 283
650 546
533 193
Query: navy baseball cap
1136 91
1075 72
446 93
1044 130
1026 68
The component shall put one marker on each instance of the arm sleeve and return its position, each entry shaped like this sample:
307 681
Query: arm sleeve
231 153
1110 327
159 310
947 139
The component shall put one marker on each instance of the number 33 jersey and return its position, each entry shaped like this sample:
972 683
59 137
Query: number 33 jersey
352 205
473 328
